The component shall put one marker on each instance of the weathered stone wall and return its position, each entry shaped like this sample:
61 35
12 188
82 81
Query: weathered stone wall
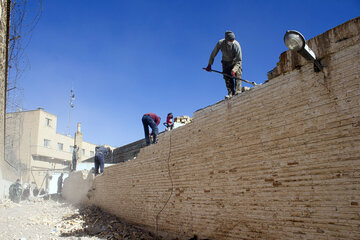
281 161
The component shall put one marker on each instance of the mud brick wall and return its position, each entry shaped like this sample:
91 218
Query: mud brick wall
281 161
128 151
3 56
7 172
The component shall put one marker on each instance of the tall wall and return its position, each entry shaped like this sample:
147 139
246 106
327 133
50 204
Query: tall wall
281 161
129 151
7 171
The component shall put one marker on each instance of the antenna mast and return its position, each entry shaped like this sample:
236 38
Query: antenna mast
72 99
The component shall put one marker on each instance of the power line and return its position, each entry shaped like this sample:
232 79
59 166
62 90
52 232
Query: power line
172 187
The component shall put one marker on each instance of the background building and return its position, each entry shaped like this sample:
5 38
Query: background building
37 150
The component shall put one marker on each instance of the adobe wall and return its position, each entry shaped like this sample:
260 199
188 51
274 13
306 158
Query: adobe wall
129 151
76 186
7 171
281 161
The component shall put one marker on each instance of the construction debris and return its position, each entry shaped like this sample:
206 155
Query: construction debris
55 220
92 221
49 219
7 203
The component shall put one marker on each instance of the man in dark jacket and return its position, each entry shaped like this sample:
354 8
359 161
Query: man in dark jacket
15 191
152 120
100 153
60 183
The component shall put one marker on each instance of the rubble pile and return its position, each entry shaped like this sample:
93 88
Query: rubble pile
55 219
92 221
7 203
31 219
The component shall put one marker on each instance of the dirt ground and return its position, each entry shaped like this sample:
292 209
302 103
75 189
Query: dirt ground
54 219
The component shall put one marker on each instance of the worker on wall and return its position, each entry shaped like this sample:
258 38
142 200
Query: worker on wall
152 120
75 157
231 62
169 122
100 153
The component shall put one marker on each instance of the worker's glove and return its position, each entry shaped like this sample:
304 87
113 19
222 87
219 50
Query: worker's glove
208 68
233 74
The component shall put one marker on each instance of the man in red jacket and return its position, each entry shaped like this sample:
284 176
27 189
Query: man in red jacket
152 120
169 122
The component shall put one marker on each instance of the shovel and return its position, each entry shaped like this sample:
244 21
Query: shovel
228 75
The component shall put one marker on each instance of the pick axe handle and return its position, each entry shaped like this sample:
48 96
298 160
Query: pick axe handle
228 75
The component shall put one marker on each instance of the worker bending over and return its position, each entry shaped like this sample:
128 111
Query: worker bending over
152 120
99 161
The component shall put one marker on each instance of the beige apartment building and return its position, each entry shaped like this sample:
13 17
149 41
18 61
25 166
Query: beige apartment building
37 150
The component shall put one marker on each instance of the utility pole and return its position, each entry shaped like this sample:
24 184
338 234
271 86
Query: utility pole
72 99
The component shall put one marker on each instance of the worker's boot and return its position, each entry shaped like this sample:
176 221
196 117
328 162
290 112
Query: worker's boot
237 86
230 94
230 87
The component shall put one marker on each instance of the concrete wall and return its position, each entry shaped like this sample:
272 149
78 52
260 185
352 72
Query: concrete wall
280 161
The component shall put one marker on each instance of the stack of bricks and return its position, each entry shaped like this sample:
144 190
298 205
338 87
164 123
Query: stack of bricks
183 119
281 161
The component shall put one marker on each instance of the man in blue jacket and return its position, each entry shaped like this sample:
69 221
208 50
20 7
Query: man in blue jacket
100 153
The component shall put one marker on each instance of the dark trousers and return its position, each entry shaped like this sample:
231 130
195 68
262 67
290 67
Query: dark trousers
59 188
230 85
148 121
99 162
74 164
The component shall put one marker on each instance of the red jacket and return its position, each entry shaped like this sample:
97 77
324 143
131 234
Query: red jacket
154 117
169 120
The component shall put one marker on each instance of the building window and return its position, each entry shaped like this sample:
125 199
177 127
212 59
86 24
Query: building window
46 143
83 152
71 148
60 146
92 153
48 122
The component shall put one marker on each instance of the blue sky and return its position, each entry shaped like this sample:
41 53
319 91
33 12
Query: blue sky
127 58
